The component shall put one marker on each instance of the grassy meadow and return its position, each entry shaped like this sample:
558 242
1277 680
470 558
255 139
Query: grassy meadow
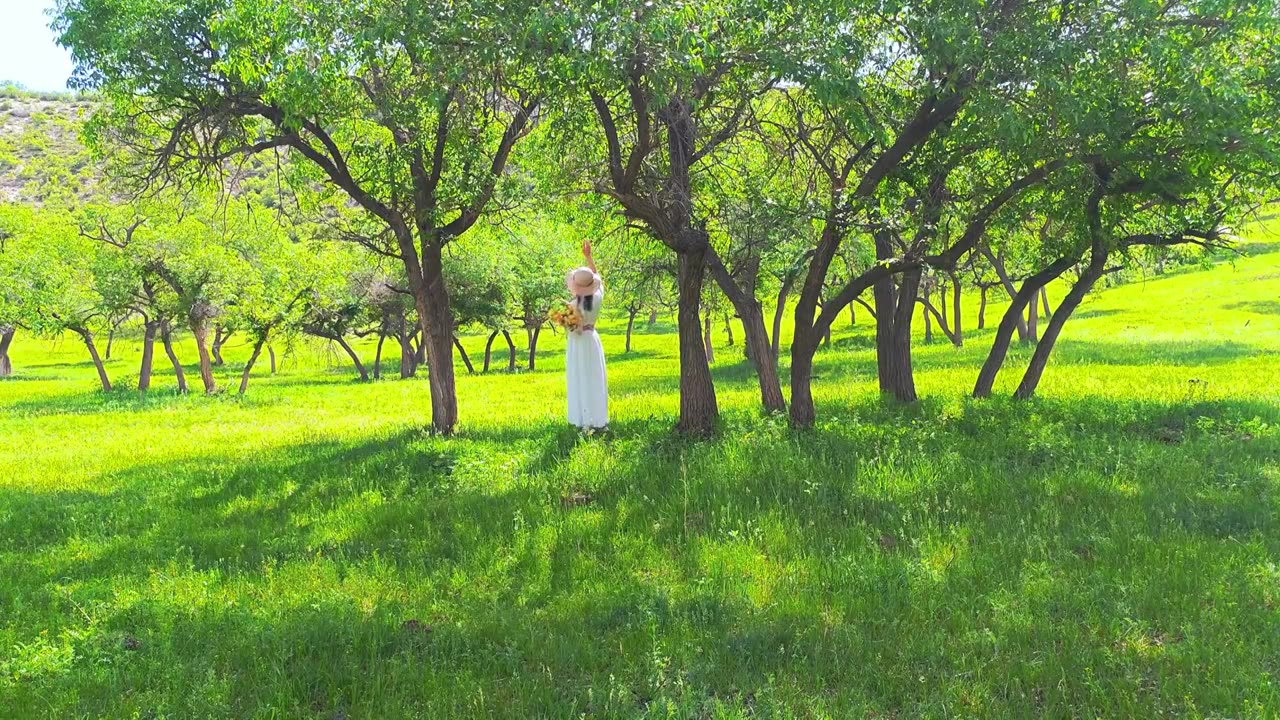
1109 549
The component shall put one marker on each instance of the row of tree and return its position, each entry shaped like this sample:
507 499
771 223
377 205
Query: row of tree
844 151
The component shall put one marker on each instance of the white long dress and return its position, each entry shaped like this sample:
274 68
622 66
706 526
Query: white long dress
584 371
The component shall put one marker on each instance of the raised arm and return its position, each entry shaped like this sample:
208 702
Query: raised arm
586 254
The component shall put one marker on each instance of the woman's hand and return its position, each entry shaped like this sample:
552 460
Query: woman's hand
586 253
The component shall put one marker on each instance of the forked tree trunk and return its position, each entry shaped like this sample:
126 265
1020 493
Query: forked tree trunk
253 358
698 408
1040 358
533 347
466 359
706 338
149 330
201 331
219 339
1008 324
166 337
355 359
97 360
511 351
631 322
6 340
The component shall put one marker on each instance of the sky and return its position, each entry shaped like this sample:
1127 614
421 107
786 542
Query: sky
29 54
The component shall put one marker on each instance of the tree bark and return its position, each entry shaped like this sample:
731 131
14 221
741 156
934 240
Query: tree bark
631 322
957 331
377 356
200 329
466 359
997 262
97 360
783 292
1044 298
166 337
111 339
1033 319
488 350
351 353
253 358
437 326
982 307
1040 358
511 352
728 327
901 376
150 328
706 338
698 408
6 340
1012 315
271 353
928 325
533 347
219 339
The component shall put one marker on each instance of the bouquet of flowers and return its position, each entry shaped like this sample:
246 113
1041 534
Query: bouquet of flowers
567 317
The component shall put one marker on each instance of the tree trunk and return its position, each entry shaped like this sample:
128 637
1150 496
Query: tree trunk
408 360
253 358
928 324
466 359
533 347
166 337
781 307
6 340
728 327
756 338
93 353
437 324
631 322
201 330
886 310
1044 298
150 328
957 332
1032 318
364 374
511 352
997 262
1040 358
271 353
901 374
698 408
111 339
706 338
1012 315
219 339
982 307
488 350
377 356
653 317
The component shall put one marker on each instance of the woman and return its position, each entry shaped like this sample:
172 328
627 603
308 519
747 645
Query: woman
584 358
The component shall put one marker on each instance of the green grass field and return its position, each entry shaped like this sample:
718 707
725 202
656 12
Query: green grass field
1110 549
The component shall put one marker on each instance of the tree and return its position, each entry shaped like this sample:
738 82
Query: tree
394 103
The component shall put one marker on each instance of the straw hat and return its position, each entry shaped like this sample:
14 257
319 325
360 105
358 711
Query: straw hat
582 281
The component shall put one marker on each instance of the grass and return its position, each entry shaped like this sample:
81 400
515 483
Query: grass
1110 549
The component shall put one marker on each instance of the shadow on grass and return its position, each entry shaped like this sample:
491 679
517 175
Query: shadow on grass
1261 307
765 571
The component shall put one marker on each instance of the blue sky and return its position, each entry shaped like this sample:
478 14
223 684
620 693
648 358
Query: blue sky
28 53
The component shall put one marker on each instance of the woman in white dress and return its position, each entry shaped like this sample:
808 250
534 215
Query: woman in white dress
584 358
